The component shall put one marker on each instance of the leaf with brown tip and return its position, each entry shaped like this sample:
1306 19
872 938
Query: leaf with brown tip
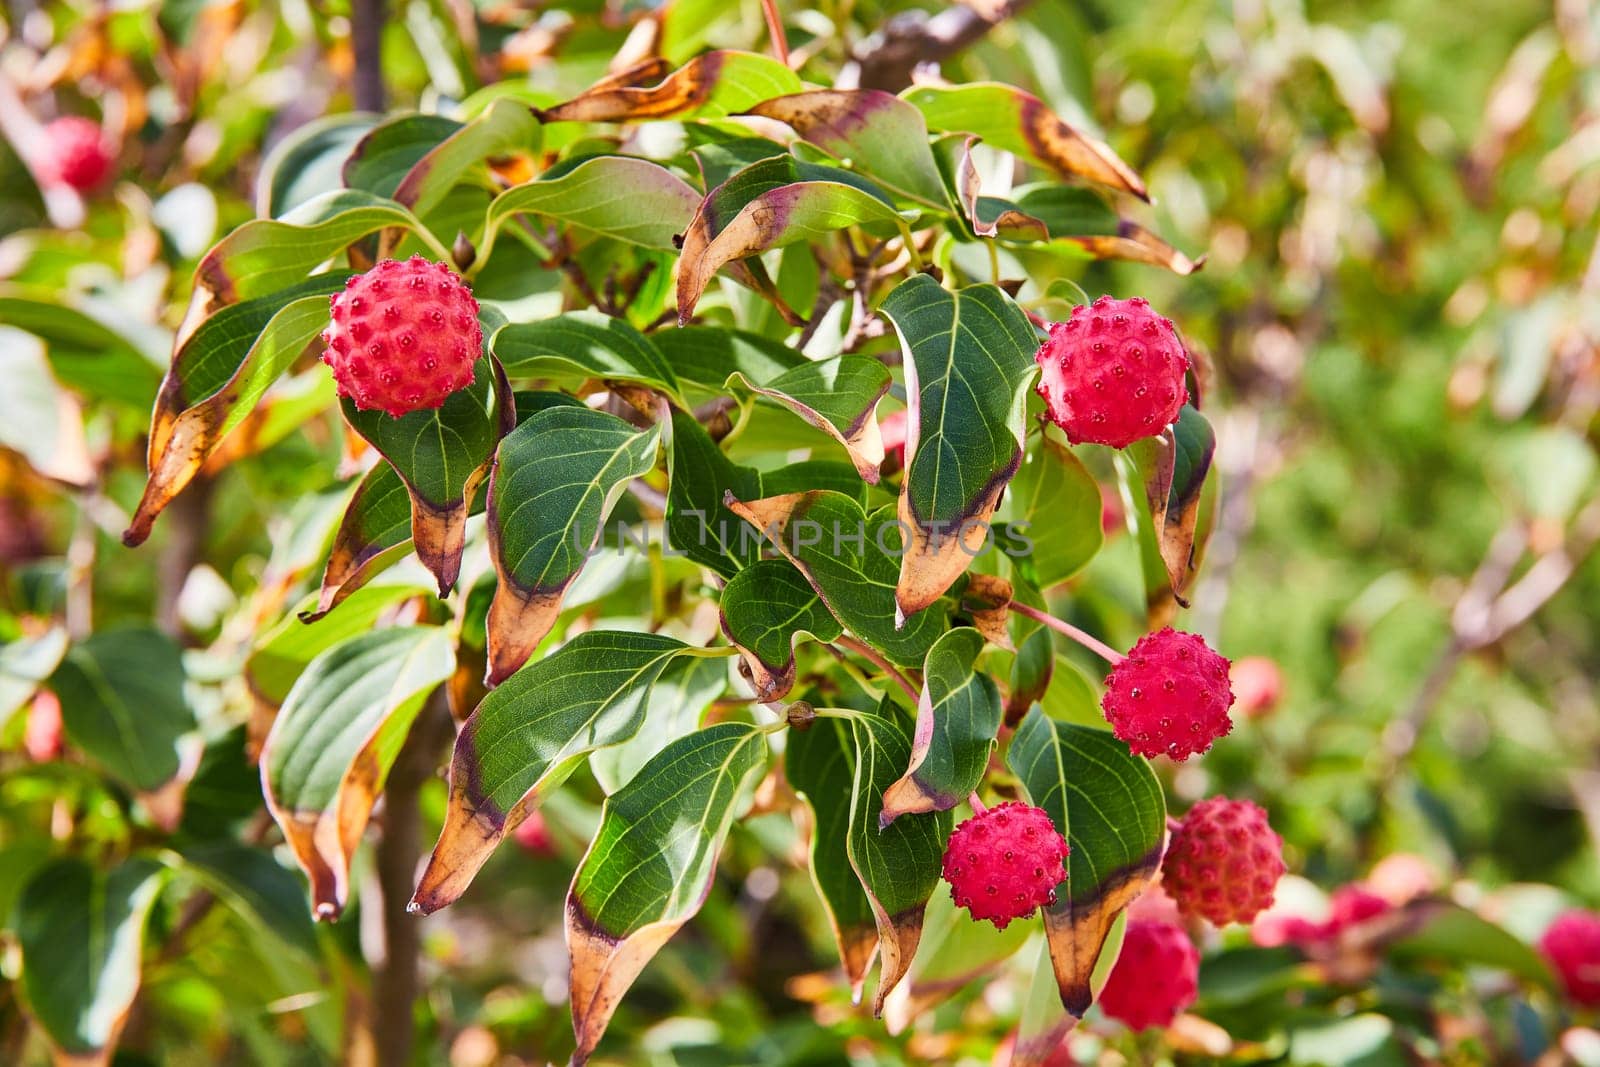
1019 122
651 863
526 737
766 608
958 717
331 746
217 376
710 85
374 532
769 204
1109 806
838 396
553 481
968 362
442 454
1173 468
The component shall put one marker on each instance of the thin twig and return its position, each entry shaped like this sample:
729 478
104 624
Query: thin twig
867 652
780 39
1093 644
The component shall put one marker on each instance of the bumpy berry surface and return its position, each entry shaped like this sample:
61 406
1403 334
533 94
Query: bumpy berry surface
1170 696
75 154
1113 372
1572 945
1005 862
1156 976
404 336
1224 862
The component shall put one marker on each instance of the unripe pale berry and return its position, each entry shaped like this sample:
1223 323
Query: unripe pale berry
1169 696
1113 372
1223 863
1572 945
75 154
42 737
533 835
1257 686
1005 862
1156 976
404 336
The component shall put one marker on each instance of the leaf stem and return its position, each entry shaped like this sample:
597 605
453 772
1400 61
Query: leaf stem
780 39
867 652
1093 644
978 806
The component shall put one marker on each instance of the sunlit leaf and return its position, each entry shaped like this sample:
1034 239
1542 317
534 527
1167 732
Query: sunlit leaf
766 608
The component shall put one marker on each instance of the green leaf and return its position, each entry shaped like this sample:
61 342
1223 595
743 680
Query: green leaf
848 557
770 204
820 763
528 735
441 454
1444 932
381 160
651 864
87 350
122 702
699 522
876 133
217 376
282 653
898 864
265 256
1078 223
838 396
705 357
1019 122
582 345
1109 806
260 890
308 162
678 700
954 953
628 199
968 362
25 662
336 737
506 126
375 532
82 932
1060 502
554 481
711 85
766 608
957 720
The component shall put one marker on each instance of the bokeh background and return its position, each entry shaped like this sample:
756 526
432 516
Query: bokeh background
1399 320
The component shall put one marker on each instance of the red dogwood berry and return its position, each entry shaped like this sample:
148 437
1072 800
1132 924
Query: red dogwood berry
1005 862
1572 945
75 154
1113 372
1257 686
1223 863
1156 976
404 336
1169 696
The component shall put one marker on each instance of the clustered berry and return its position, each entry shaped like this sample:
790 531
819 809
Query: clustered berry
404 336
1572 945
75 154
1113 372
1005 862
1156 976
1223 863
1169 696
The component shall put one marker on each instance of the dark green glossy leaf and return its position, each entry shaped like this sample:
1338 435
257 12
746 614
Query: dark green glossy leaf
1173 468
1109 806
678 700
968 362
529 734
579 346
632 200
81 931
957 720
554 480
766 608
1059 500
838 396
441 454
308 162
699 522
848 556
651 864
382 158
